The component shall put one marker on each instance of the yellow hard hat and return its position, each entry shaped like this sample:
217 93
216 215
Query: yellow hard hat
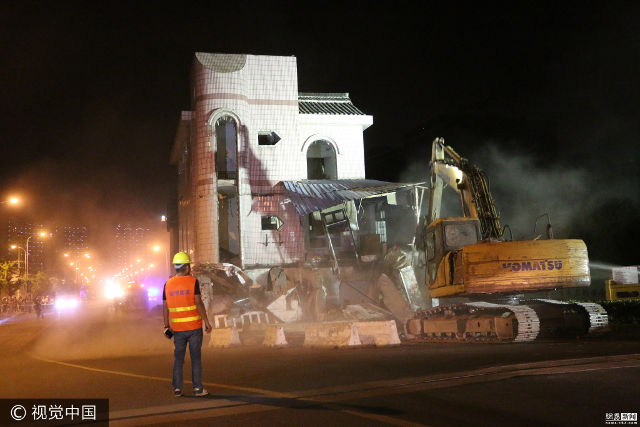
181 258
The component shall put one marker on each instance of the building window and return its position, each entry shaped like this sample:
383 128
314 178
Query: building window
381 226
381 230
268 138
271 223
226 148
321 161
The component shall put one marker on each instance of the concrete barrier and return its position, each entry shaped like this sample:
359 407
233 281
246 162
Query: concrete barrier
378 333
224 337
328 334
274 337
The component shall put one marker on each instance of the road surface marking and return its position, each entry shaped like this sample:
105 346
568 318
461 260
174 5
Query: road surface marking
403 385
226 407
209 408
331 396
385 419
163 379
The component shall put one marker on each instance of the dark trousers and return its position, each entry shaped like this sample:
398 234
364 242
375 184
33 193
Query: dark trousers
180 340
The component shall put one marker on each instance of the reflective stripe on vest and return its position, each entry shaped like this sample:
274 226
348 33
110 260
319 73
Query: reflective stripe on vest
191 307
186 319
180 295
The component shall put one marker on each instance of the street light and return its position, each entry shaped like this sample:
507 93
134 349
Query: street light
11 201
76 263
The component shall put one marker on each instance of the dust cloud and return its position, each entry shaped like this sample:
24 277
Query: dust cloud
98 331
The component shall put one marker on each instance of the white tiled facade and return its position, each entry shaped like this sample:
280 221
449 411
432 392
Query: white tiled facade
259 94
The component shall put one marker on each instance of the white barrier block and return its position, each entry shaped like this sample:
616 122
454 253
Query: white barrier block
378 332
274 336
341 334
224 337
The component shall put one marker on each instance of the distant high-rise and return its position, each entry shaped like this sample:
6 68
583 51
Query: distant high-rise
45 252
17 234
68 244
72 240
131 243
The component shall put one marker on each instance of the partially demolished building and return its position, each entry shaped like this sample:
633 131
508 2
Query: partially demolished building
272 180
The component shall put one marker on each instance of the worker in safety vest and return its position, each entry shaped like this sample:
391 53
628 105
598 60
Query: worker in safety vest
184 315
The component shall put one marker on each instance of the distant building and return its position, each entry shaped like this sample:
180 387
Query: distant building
68 244
73 240
45 253
17 233
131 241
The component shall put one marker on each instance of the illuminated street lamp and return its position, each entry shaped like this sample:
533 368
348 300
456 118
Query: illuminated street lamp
76 263
11 201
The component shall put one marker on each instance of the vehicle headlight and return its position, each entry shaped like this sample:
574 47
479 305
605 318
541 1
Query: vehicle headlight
65 303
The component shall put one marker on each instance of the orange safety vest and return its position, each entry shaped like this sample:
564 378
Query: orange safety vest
181 300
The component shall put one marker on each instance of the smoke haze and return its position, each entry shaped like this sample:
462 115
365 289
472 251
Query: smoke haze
57 193
604 214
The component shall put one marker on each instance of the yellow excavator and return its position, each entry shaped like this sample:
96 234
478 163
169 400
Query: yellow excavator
486 277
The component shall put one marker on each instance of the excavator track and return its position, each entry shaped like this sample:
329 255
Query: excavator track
597 319
527 325
499 323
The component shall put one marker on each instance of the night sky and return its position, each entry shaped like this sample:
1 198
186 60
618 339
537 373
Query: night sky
545 99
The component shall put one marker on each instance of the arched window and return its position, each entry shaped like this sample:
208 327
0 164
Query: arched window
226 148
321 161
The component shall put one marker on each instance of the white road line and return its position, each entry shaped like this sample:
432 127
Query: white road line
211 407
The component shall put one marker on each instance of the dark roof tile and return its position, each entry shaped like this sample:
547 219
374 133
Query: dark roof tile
327 103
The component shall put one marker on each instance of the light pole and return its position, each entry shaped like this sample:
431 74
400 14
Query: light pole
76 264
20 248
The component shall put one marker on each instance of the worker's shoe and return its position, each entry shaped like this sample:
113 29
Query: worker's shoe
177 392
199 392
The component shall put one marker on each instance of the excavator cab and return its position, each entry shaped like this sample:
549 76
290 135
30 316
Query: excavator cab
446 235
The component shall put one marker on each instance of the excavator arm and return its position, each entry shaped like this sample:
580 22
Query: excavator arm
450 169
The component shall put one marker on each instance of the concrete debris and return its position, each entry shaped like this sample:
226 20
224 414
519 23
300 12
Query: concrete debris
286 307
364 312
394 300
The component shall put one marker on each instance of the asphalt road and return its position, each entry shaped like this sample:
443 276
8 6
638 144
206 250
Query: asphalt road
96 353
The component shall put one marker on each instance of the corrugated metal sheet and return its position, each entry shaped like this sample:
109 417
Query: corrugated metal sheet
315 195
